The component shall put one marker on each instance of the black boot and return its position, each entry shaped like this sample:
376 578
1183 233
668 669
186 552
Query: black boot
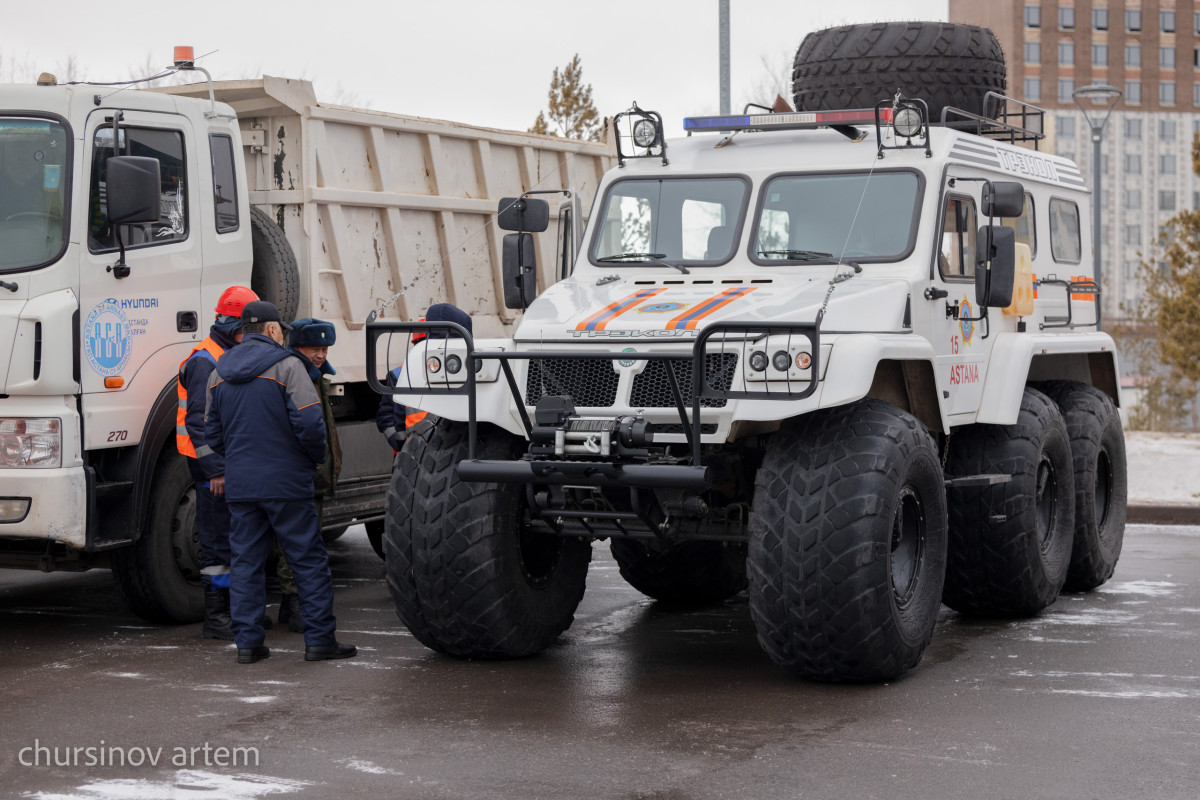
289 612
217 624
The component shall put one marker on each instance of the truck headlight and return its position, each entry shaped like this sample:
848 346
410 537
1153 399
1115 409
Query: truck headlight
30 442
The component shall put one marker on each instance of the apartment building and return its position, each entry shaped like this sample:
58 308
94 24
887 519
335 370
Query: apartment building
1150 50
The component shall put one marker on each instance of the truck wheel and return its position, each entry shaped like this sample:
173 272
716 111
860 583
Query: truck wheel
159 575
857 66
275 275
375 535
467 578
848 543
1101 481
687 573
1010 543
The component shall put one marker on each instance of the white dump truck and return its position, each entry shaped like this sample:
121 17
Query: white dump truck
847 357
125 214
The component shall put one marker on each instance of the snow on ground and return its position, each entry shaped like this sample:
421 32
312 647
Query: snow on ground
1163 466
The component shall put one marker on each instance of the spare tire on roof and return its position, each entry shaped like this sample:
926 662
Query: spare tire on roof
857 66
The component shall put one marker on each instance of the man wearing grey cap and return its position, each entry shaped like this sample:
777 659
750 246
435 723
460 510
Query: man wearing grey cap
264 416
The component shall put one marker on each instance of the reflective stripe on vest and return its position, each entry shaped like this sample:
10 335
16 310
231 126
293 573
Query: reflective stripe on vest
183 442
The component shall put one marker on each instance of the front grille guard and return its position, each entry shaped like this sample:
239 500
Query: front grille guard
732 336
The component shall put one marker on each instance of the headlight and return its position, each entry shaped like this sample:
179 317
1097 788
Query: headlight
782 360
758 361
31 442
907 122
453 364
645 133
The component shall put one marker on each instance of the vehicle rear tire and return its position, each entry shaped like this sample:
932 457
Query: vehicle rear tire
1010 543
159 575
857 66
848 543
687 573
275 275
1101 481
375 530
465 577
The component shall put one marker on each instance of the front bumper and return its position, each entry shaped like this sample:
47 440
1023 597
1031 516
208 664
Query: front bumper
57 508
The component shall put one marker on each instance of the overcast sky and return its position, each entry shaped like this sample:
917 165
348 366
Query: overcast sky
484 62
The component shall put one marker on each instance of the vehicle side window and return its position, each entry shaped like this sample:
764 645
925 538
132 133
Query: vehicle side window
1064 231
956 256
225 206
172 225
1024 225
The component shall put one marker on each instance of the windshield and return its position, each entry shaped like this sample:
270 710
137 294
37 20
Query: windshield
859 217
689 220
33 184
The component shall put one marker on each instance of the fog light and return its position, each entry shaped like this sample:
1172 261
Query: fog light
803 360
433 364
13 509
645 133
758 361
907 122
781 361
453 365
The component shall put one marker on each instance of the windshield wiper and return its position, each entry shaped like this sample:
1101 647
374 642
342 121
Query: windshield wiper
656 258
797 255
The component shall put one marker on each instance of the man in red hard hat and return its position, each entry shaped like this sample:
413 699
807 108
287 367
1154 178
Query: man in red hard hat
206 465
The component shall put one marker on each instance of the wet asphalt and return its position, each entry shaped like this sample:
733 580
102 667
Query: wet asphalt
1098 697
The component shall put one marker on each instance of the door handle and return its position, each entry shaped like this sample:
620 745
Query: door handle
186 321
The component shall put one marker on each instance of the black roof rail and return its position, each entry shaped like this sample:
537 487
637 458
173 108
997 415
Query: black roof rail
1010 120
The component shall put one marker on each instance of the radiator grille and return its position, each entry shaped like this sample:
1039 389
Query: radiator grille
589 382
652 390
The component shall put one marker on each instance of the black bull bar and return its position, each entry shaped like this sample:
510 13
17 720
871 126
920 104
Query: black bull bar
694 476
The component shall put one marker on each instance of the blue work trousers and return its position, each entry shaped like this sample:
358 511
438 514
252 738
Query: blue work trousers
212 521
294 524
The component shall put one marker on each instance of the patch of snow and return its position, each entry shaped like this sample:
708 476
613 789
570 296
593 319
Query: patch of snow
262 698
368 767
1150 588
186 785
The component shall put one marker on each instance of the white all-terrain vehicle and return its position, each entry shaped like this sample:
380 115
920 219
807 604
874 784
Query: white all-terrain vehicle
846 357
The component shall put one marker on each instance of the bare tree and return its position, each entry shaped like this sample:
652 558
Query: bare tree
571 111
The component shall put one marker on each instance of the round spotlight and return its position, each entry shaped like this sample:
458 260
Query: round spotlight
781 361
645 133
478 366
453 364
433 364
907 122
803 360
758 361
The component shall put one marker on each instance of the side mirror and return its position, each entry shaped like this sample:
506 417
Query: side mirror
995 267
133 190
519 268
1002 199
523 214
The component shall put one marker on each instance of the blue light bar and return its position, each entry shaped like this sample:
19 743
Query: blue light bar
787 120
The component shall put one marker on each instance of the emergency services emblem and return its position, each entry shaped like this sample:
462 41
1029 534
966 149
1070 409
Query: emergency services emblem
106 339
660 308
966 326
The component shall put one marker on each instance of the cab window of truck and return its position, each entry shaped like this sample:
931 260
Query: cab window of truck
225 207
865 217
172 225
691 220
956 254
1024 225
35 175
1064 231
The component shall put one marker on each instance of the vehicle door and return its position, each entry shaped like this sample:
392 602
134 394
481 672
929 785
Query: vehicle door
135 330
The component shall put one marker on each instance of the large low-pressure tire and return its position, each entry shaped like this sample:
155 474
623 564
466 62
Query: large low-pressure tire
159 575
465 577
1101 481
857 66
1010 543
275 275
848 543
686 573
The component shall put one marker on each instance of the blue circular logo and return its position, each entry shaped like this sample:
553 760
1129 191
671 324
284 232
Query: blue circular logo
660 308
106 340
966 326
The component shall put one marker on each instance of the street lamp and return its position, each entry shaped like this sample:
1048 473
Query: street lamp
1100 94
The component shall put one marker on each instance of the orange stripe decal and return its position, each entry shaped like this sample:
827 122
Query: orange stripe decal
597 321
688 319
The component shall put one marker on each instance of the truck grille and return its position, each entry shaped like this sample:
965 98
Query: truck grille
589 382
652 390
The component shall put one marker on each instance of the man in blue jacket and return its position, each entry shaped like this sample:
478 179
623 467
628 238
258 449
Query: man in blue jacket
264 416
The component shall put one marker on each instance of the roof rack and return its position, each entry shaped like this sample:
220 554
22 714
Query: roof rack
1011 120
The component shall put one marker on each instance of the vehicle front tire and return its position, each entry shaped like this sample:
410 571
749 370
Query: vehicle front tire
1101 481
1010 543
687 573
848 543
467 576
159 574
